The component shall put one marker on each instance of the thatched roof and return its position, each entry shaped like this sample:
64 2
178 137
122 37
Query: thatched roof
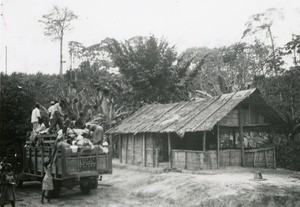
192 116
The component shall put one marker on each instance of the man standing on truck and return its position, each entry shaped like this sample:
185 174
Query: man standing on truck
51 112
57 116
35 116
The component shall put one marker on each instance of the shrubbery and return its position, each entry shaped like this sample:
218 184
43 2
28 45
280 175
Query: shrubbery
288 155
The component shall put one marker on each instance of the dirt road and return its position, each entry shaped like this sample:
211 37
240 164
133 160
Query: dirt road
134 186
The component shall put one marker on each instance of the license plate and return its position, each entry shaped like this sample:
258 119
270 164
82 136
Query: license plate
87 164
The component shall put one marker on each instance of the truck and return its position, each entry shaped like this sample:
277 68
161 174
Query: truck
82 168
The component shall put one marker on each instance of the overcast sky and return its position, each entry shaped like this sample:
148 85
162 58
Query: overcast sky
184 23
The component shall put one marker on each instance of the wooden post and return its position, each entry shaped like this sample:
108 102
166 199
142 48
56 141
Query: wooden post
185 159
43 160
234 138
266 157
157 157
153 150
274 159
241 135
144 150
204 141
254 158
170 150
120 148
133 155
218 145
126 149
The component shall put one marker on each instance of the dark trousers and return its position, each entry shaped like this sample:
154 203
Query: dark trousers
57 119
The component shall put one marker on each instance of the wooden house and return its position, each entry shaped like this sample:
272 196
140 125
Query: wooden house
234 129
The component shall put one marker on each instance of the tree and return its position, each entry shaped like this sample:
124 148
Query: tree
263 22
151 69
56 24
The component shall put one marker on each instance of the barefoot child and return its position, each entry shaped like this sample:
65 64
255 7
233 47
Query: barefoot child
8 186
47 182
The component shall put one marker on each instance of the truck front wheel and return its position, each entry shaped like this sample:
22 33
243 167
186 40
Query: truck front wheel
85 188
56 191
19 180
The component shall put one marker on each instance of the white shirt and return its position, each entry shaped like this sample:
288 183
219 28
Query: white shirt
51 111
56 107
35 114
41 128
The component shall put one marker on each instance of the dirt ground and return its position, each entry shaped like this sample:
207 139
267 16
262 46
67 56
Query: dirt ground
138 186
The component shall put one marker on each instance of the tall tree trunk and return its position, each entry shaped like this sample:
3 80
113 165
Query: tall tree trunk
273 50
61 57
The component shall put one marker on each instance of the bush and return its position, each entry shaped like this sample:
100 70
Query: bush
288 155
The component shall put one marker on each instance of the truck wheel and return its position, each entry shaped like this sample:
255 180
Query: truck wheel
94 184
56 191
85 188
19 180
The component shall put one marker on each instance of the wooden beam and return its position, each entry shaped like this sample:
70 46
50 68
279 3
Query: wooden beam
266 158
274 159
156 157
185 159
234 138
153 150
144 149
218 145
126 149
120 148
170 150
133 155
204 141
241 135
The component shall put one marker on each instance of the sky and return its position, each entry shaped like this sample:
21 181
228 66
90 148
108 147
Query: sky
183 23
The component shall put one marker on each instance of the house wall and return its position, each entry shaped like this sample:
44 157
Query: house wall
202 160
250 116
133 151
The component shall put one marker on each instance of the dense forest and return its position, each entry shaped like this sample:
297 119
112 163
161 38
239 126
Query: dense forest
115 78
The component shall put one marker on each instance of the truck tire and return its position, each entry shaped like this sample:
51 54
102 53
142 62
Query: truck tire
56 191
85 188
94 183
19 180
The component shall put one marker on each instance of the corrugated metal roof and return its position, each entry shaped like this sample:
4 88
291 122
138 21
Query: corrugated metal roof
190 116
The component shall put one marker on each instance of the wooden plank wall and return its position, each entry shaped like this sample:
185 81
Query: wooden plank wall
134 154
200 160
194 160
230 157
264 157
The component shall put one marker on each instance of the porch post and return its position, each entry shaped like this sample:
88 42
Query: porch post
218 145
204 141
170 150
126 150
133 155
120 148
241 135
144 149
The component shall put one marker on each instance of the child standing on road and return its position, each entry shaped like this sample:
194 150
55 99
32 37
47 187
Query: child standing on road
47 182
8 186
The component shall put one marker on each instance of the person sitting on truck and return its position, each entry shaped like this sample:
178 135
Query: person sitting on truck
57 116
41 127
97 133
79 121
